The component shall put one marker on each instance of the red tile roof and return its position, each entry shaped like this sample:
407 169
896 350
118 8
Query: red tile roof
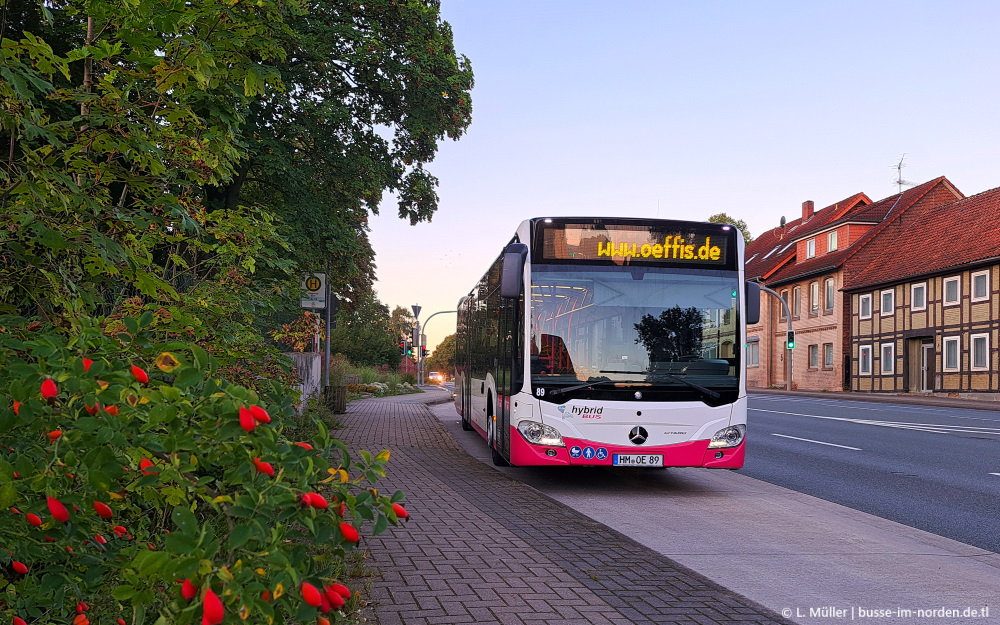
929 240
881 213
773 249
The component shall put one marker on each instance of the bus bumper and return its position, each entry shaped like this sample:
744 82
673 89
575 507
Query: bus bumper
587 453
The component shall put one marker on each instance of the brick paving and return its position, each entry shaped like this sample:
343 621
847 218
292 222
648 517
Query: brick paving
482 548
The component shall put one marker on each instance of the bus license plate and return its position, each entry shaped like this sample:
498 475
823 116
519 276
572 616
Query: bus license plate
637 460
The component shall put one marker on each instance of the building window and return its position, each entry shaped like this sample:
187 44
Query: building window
888 303
918 296
888 357
753 354
814 298
828 355
829 294
814 356
796 302
865 305
810 248
831 241
784 298
952 291
981 286
980 351
865 360
951 349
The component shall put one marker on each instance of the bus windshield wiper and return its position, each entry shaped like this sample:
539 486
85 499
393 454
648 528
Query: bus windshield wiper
589 382
677 378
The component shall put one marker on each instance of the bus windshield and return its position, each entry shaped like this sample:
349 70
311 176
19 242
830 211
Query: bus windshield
596 331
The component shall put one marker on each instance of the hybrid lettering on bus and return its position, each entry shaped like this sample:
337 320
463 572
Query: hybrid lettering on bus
609 341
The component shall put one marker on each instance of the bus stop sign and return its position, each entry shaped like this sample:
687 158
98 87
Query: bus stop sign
314 285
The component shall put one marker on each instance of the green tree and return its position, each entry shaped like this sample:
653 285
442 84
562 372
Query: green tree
371 89
402 322
723 218
443 357
364 333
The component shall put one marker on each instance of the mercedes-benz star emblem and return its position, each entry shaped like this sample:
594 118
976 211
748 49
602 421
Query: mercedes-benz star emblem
638 435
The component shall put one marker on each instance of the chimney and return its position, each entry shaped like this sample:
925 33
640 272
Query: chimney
807 210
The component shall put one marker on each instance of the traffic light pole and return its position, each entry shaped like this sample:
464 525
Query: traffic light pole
789 335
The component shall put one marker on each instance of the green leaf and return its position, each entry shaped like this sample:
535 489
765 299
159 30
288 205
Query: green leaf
185 520
123 592
239 536
381 523
8 495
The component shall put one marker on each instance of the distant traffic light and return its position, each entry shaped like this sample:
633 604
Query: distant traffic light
409 349
423 352
790 339
402 347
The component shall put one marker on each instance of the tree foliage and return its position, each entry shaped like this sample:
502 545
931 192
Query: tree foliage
443 357
723 218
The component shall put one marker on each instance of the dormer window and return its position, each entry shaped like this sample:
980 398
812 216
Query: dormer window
810 248
831 241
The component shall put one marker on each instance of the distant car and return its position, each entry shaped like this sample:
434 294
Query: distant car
435 378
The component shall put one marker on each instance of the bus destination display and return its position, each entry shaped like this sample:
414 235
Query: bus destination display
633 244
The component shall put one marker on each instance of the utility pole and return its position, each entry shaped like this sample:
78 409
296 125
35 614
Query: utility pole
416 344
790 333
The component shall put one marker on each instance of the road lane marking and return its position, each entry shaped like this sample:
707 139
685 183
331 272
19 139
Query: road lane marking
994 473
919 427
817 442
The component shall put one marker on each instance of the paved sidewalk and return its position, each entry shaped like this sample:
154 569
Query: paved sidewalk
481 548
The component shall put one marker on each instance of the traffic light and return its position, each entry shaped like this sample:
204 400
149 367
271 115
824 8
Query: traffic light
402 347
409 349
423 352
790 339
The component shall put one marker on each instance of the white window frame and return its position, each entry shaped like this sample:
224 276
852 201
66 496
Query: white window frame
827 355
753 354
958 290
829 294
985 338
881 303
946 342
890 361
811 248
986 278
864 358
867 297
781 309
814 356
913 296
796 302
831 241
814 298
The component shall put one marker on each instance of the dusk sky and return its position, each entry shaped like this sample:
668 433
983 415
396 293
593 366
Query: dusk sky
682 110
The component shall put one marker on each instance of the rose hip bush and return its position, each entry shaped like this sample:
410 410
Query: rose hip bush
168 495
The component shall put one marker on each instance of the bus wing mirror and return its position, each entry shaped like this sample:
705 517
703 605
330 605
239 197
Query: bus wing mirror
752 313
512 275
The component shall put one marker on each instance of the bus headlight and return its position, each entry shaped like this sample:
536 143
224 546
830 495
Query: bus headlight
728 437
540 434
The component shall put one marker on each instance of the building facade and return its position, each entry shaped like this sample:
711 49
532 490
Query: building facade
924 302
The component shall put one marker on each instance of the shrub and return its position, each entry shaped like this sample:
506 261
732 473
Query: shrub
144 468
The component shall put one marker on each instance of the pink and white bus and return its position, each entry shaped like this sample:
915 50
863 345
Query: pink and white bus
609 341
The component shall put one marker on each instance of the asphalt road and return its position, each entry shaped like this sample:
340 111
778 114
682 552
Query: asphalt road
932 468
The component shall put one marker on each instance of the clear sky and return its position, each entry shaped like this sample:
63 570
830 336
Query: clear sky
685 109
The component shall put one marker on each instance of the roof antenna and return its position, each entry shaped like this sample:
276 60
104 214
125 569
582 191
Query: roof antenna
899 175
